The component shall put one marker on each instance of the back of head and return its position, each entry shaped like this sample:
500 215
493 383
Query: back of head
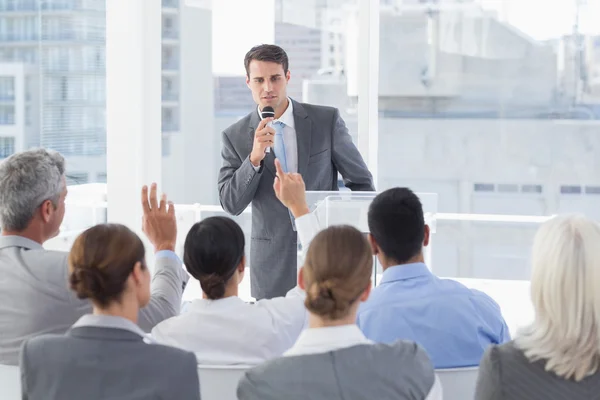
337 270
101 260
565 296
397 224
213 249
27 179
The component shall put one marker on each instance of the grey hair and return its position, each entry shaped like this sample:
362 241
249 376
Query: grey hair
27 179
564 291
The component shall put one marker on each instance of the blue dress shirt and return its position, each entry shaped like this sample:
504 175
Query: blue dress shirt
453 323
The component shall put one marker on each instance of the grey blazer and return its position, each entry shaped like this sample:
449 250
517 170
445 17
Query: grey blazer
35 297
324 148
506 374
95 363
400 371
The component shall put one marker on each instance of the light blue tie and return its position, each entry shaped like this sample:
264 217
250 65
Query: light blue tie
280 154
279 146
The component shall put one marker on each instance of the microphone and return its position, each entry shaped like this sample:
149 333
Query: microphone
268 112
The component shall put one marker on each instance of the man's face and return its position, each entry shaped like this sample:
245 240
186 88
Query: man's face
268 83
56 217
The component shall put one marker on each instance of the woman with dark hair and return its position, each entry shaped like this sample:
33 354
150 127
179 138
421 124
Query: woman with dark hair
105 355
332 359
221 328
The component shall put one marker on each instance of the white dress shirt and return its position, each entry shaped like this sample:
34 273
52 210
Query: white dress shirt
321 340
289 137
231 331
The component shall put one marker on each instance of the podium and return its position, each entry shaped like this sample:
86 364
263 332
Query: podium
351 208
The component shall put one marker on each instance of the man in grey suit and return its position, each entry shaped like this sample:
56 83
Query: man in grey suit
34 292
310 140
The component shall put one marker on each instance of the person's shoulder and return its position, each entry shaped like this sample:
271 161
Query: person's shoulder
172 354
45 346
313 109
506 352
240 125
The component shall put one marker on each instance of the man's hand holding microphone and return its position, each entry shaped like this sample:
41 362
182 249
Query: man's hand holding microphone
263 137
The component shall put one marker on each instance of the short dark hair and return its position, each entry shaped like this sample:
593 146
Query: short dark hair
101 260
213 249
397 224
269 53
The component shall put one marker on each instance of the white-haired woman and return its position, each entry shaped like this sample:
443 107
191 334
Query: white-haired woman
558 355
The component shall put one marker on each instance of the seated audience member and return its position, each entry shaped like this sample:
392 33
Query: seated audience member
220 328
332 359
453 323
558 355
105 355
34 295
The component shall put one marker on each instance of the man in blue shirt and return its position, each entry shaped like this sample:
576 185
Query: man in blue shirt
453 323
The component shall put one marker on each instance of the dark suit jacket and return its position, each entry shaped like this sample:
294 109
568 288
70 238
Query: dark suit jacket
95 363
324 148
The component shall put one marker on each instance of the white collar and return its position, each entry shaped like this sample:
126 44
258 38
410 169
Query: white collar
110 321
199 304
287 117
321 340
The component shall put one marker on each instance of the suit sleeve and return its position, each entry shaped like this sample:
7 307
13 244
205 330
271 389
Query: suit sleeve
168 283
347 158
238 179
489 378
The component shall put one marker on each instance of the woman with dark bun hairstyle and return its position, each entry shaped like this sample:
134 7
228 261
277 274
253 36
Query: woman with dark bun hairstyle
220 328
332 359
105 355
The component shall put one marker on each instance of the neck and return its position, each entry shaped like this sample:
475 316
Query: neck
28 233
281 109
387 263
315 321
128 310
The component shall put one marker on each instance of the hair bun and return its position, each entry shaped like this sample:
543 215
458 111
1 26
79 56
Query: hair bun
87 282
322 300
213 285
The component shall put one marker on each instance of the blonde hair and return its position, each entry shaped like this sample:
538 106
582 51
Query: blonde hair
337 271
565 291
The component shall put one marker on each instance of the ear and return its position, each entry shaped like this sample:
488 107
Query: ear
248 81
137 273
242 266
426 234
373 243
301 279
365 295
46 210
288 75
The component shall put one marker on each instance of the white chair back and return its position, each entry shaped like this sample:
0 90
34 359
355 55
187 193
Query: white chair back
458 383
219 382
10 382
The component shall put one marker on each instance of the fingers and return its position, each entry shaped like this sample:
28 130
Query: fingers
171 208
153 201
277 186
263 123
163 202
279 169
145 205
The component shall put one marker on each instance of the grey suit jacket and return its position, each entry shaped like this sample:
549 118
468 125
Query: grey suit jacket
399 371
35 297
506 374
95 363
324 148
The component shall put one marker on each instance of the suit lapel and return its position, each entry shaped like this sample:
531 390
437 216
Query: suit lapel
303 136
